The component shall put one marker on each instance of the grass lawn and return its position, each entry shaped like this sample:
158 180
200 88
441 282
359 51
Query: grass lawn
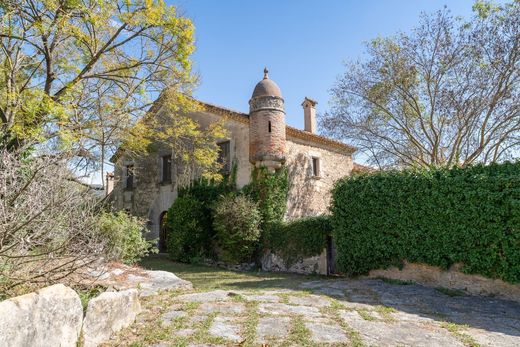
208 278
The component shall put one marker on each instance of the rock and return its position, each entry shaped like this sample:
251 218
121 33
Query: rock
309 300
231 308
272 329
401 333
329 332
225 327
154 281
288 310
261 297
50 317
148 282
108 313
216 295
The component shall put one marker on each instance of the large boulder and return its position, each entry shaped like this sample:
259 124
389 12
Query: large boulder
109 313
148 282
51 316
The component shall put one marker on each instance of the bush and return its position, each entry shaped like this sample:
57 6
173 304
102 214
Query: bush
237 223
124 238
188 236
298 239
438 217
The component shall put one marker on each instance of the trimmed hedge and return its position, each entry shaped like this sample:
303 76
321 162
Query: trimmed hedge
438 217
298 239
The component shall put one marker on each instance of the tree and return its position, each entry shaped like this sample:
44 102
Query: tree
73 71
445 94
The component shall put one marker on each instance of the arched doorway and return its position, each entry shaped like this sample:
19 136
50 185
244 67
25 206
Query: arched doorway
162 233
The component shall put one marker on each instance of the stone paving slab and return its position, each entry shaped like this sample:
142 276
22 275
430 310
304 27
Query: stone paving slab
329 332
226 327
376 333
216 295
287 310
272 328
309 300
229 308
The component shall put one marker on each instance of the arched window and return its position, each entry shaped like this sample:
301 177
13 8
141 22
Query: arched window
163 231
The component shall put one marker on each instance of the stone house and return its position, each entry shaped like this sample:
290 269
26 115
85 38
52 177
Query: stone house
260 138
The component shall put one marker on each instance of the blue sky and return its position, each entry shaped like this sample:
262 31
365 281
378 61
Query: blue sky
303 43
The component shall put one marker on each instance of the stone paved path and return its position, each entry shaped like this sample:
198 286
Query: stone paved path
328 313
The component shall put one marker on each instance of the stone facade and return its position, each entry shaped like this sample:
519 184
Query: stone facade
260 138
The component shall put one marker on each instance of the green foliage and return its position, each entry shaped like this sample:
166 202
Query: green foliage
237 225
270 191
298 239
438 217
124 238
188 237
193 232
190 219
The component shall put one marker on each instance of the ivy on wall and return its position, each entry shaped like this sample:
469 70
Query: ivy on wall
439 217
269 190
299 239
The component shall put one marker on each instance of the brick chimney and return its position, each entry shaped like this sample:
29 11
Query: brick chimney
309 114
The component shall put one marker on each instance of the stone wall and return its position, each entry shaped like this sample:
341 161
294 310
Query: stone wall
150 198
452 279
310 195
312 265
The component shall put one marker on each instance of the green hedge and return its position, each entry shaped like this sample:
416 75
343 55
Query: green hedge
438 217
298 239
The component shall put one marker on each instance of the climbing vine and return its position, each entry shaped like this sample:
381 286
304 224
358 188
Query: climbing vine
269 190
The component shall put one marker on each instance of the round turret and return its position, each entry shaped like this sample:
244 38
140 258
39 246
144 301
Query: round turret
267 125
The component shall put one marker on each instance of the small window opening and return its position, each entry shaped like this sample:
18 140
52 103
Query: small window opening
166 169
316 167
269 126
129 176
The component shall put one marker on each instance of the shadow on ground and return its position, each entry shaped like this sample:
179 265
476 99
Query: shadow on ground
486 313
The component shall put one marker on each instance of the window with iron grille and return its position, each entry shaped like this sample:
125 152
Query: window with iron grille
166 176
316 167
129 177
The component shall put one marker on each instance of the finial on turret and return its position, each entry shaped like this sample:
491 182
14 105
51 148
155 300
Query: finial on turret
266 73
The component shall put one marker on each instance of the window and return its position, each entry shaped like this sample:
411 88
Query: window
269 126
166 176
224 156
316 167
129 177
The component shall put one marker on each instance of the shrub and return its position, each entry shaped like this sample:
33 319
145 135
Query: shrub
237 223
438 217
124 237
188 236
298 239
47 231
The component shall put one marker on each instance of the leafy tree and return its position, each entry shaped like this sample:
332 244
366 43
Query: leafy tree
76 72
445 94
